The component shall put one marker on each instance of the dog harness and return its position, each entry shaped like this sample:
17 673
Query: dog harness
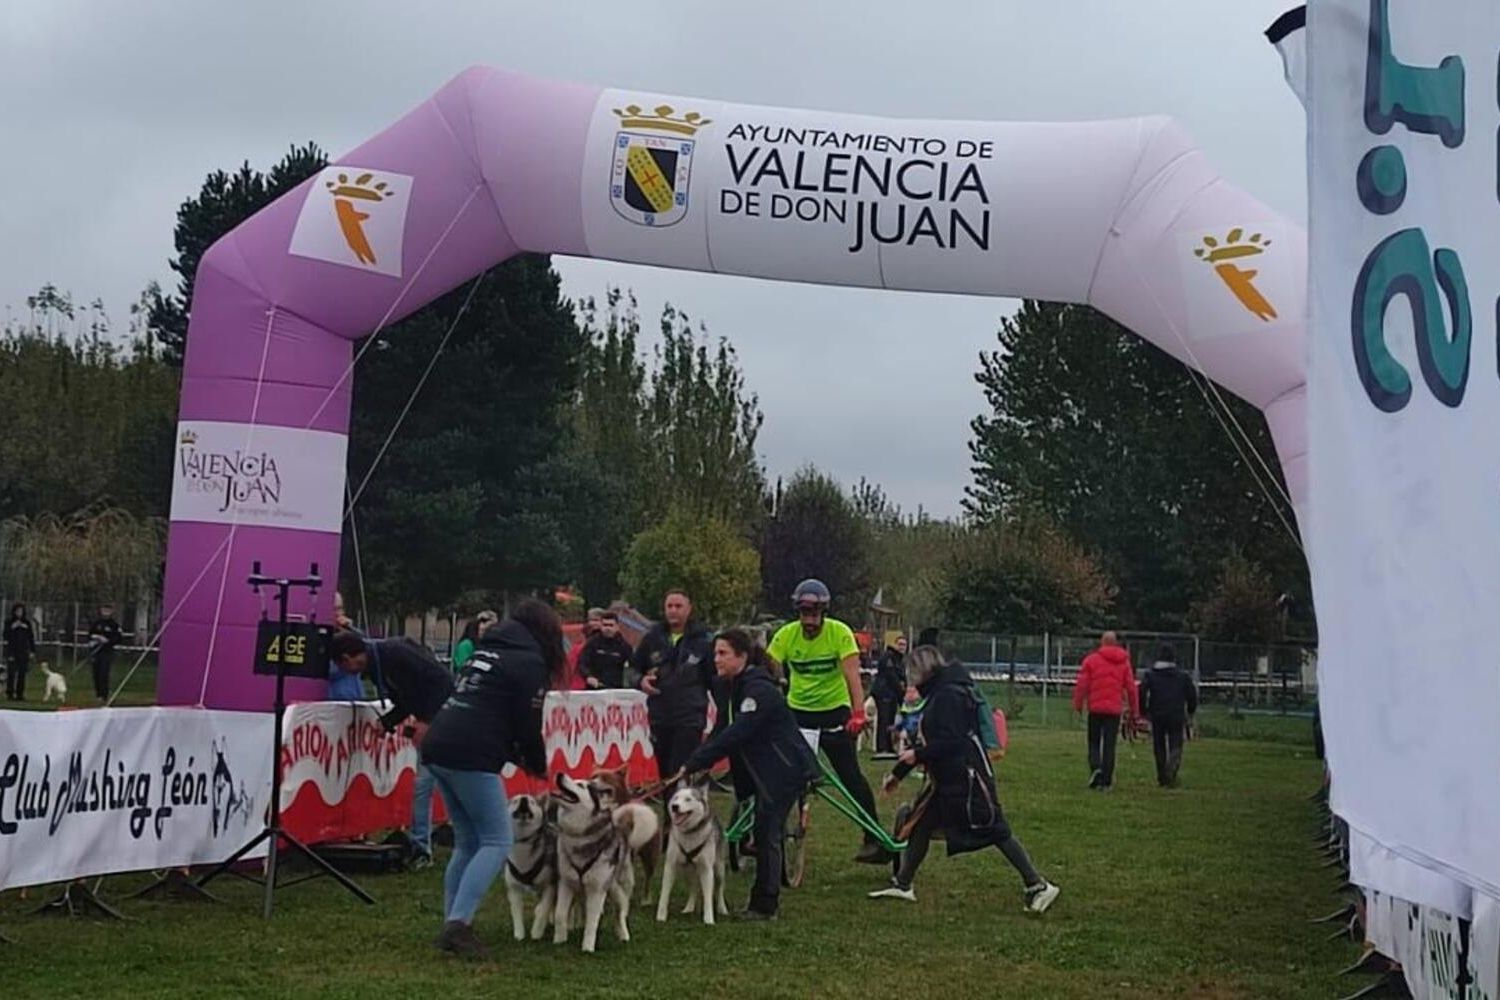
528 877
604 845
692 856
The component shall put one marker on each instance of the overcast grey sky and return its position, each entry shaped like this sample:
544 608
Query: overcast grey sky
113 113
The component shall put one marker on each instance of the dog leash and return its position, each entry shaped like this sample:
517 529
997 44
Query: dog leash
648 791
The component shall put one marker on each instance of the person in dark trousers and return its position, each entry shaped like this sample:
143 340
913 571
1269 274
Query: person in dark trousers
674 665
960 797
606 655
1168 698
409 676
104 636
764 745
820 658
493 718
888 690
19 637
1105 682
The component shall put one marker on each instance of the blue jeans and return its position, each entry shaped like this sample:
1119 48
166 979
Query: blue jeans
481 837
421 809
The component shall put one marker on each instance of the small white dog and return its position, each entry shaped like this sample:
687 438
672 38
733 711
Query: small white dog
872 719
697 846
57 684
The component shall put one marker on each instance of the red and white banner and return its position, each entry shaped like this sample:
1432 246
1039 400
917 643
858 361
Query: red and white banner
342 774
344 777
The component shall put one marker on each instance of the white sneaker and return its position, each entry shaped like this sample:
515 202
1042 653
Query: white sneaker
894 892
1040 897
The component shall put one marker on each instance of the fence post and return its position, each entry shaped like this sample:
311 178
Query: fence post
1046 676
1046 670
1012 670
994 664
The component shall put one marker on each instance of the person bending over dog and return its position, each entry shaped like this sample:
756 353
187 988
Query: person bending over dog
764 744
959 797
493 718
416 684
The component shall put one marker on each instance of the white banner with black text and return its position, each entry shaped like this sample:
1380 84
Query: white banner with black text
105 790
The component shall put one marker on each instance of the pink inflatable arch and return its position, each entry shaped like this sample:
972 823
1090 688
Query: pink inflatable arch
1127 216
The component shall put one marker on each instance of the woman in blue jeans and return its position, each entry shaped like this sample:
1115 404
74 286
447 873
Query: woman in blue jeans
493 718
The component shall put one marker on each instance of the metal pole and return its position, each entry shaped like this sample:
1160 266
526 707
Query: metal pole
1012 670
1046 670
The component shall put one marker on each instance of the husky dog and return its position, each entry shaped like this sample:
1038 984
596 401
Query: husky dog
697 845
532 865
597 837
648 854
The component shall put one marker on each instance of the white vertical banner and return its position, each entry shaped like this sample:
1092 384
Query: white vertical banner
108 790
1404 402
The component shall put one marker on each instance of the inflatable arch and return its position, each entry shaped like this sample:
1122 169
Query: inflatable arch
1127 216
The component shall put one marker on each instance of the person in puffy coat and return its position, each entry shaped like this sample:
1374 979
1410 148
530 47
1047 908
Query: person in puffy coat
888 690
493 718
960 797
767 752
1105 683
1168 699
674 665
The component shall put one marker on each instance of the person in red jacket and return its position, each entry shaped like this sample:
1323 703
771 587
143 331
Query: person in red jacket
1104 682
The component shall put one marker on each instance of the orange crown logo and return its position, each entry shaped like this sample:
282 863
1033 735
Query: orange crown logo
662 118
188 437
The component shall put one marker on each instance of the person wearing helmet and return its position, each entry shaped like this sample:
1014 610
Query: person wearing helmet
820 660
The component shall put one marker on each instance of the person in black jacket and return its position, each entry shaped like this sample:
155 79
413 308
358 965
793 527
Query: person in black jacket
764 745
888 690
960 795
1169 699
674 666
416 684
105 635
493 718
19 637
604 657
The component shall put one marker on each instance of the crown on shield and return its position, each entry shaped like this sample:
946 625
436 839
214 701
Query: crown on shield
662 118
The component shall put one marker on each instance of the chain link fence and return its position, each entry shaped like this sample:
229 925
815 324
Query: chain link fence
1279 677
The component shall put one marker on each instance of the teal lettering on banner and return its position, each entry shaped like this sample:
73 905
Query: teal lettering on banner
1401 265
1427 101
1424 99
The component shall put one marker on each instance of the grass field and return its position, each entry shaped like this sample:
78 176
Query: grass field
1200 892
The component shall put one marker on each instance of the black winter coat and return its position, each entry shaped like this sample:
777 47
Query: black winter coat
409 675
109 630
494 717
890 676
20 638
1168 693
762 740
684 674
605 659
951 749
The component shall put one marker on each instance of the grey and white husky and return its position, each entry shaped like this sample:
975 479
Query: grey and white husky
597 838
698 847
531 868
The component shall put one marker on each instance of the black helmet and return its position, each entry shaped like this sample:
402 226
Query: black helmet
811 592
